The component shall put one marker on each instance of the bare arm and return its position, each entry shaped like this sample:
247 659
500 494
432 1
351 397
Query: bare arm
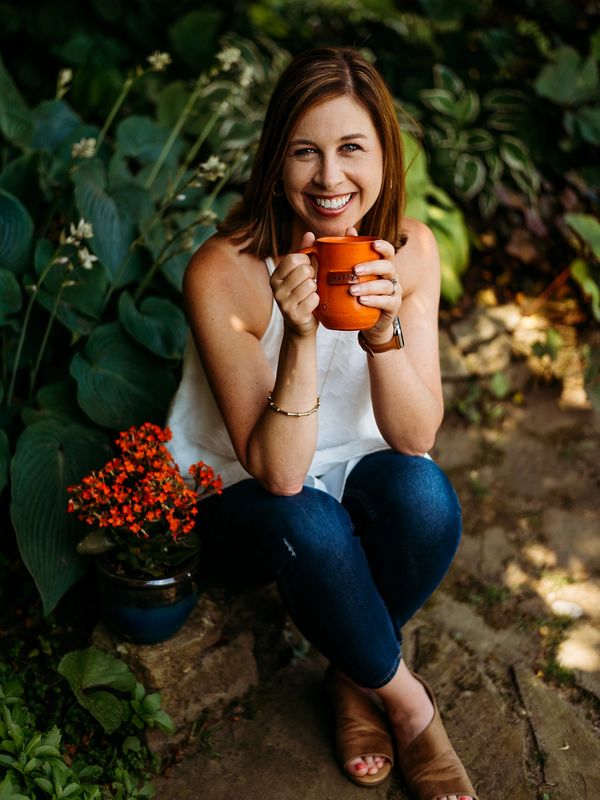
228 302
406 387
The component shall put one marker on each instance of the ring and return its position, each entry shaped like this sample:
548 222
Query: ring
394 282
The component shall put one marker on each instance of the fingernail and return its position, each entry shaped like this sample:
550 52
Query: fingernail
379 243
354 289
358 270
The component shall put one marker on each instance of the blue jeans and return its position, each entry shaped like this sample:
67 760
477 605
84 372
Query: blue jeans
350 574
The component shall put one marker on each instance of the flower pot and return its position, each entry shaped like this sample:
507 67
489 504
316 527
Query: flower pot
147 610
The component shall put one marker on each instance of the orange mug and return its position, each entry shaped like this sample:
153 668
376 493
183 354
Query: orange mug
336 257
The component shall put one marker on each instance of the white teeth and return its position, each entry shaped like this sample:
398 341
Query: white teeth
336 202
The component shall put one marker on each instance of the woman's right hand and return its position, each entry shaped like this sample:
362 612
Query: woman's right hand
295 290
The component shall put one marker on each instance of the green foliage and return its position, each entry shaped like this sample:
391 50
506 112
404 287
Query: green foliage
33 761
96 227
473 141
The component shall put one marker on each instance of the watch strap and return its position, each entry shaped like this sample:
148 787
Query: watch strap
395 343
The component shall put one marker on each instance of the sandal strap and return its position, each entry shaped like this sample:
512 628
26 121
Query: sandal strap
430 764
361 729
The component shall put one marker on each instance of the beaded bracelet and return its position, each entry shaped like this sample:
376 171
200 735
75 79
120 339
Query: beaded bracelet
275 407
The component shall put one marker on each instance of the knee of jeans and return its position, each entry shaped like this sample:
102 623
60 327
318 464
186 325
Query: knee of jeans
317 528
439 503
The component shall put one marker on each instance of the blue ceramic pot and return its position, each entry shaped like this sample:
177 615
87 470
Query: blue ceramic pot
147 610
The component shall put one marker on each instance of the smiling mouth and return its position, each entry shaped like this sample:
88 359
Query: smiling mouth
336 203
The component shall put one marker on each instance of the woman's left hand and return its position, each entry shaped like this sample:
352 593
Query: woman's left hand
384 292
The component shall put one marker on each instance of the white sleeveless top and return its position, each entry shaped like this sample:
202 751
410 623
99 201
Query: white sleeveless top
347 427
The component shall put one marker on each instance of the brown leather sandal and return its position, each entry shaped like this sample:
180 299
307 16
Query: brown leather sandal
361 729
430 765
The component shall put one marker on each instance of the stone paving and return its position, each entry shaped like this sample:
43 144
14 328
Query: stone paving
511 641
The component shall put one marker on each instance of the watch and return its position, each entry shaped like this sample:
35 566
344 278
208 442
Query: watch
395 343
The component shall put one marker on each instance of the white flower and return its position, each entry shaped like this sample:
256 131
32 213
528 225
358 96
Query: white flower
212 169
228 57
86 258
61 260
84 230
65 76
247 76
84 148
206 217
159 61
180 197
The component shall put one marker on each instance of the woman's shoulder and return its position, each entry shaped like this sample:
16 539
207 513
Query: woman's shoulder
221 275
418 260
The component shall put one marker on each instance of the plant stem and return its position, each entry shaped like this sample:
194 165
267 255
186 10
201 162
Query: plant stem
28 311
115 110
200 85
45 340
210 124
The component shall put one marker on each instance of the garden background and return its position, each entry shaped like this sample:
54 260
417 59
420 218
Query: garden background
126 133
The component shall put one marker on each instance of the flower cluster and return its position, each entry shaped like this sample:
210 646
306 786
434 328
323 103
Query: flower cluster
142 498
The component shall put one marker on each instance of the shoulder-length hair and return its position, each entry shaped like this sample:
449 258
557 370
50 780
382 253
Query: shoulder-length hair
263 217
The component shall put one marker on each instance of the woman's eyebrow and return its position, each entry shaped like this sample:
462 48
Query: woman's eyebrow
342 138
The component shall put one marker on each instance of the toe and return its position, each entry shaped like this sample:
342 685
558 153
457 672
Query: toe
358 766
370 762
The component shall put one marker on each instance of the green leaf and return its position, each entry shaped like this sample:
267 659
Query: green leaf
44 784
478 140
16 122
582 273
142 138
113 227
54 121
10 294
445 78
57 401
515 154
194 36
467 108
119 383
568 80
587 228
499 385
506 101
159 325
469 175
80 305
4 459
164 721
440 100
49 457
16 233
87 671
151 703
587 121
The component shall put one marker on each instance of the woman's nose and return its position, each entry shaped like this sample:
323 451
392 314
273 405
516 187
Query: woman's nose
329 174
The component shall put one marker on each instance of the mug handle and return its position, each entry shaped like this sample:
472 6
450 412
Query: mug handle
310 251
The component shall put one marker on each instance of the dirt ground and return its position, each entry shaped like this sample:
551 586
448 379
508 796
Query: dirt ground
511 640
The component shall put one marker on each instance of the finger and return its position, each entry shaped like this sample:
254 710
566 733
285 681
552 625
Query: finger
289 264
307 240
383 287
383 268
351 232
385 249
304 290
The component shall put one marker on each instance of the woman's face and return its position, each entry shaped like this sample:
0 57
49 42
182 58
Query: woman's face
333 168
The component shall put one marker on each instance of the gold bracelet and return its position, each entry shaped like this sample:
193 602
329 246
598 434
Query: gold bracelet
275 407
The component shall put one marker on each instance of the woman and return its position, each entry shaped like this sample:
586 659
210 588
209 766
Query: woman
334 499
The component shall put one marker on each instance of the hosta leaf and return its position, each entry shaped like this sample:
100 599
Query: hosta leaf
467 108
515 154
10 294
142 138
478 140
445 78
588 228
119 383
582 273
54 120
158 325
113 227
16 233
49 457
506 101
440 100
587 121
4 459
469 176
568 80
16 122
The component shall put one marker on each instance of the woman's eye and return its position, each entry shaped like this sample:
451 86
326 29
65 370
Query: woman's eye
351 147
304 151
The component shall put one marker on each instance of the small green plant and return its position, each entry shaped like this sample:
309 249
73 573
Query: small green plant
474 141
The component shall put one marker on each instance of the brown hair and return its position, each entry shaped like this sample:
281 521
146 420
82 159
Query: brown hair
263 217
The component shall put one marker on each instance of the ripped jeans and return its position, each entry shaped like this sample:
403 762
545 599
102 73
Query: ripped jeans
350 574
